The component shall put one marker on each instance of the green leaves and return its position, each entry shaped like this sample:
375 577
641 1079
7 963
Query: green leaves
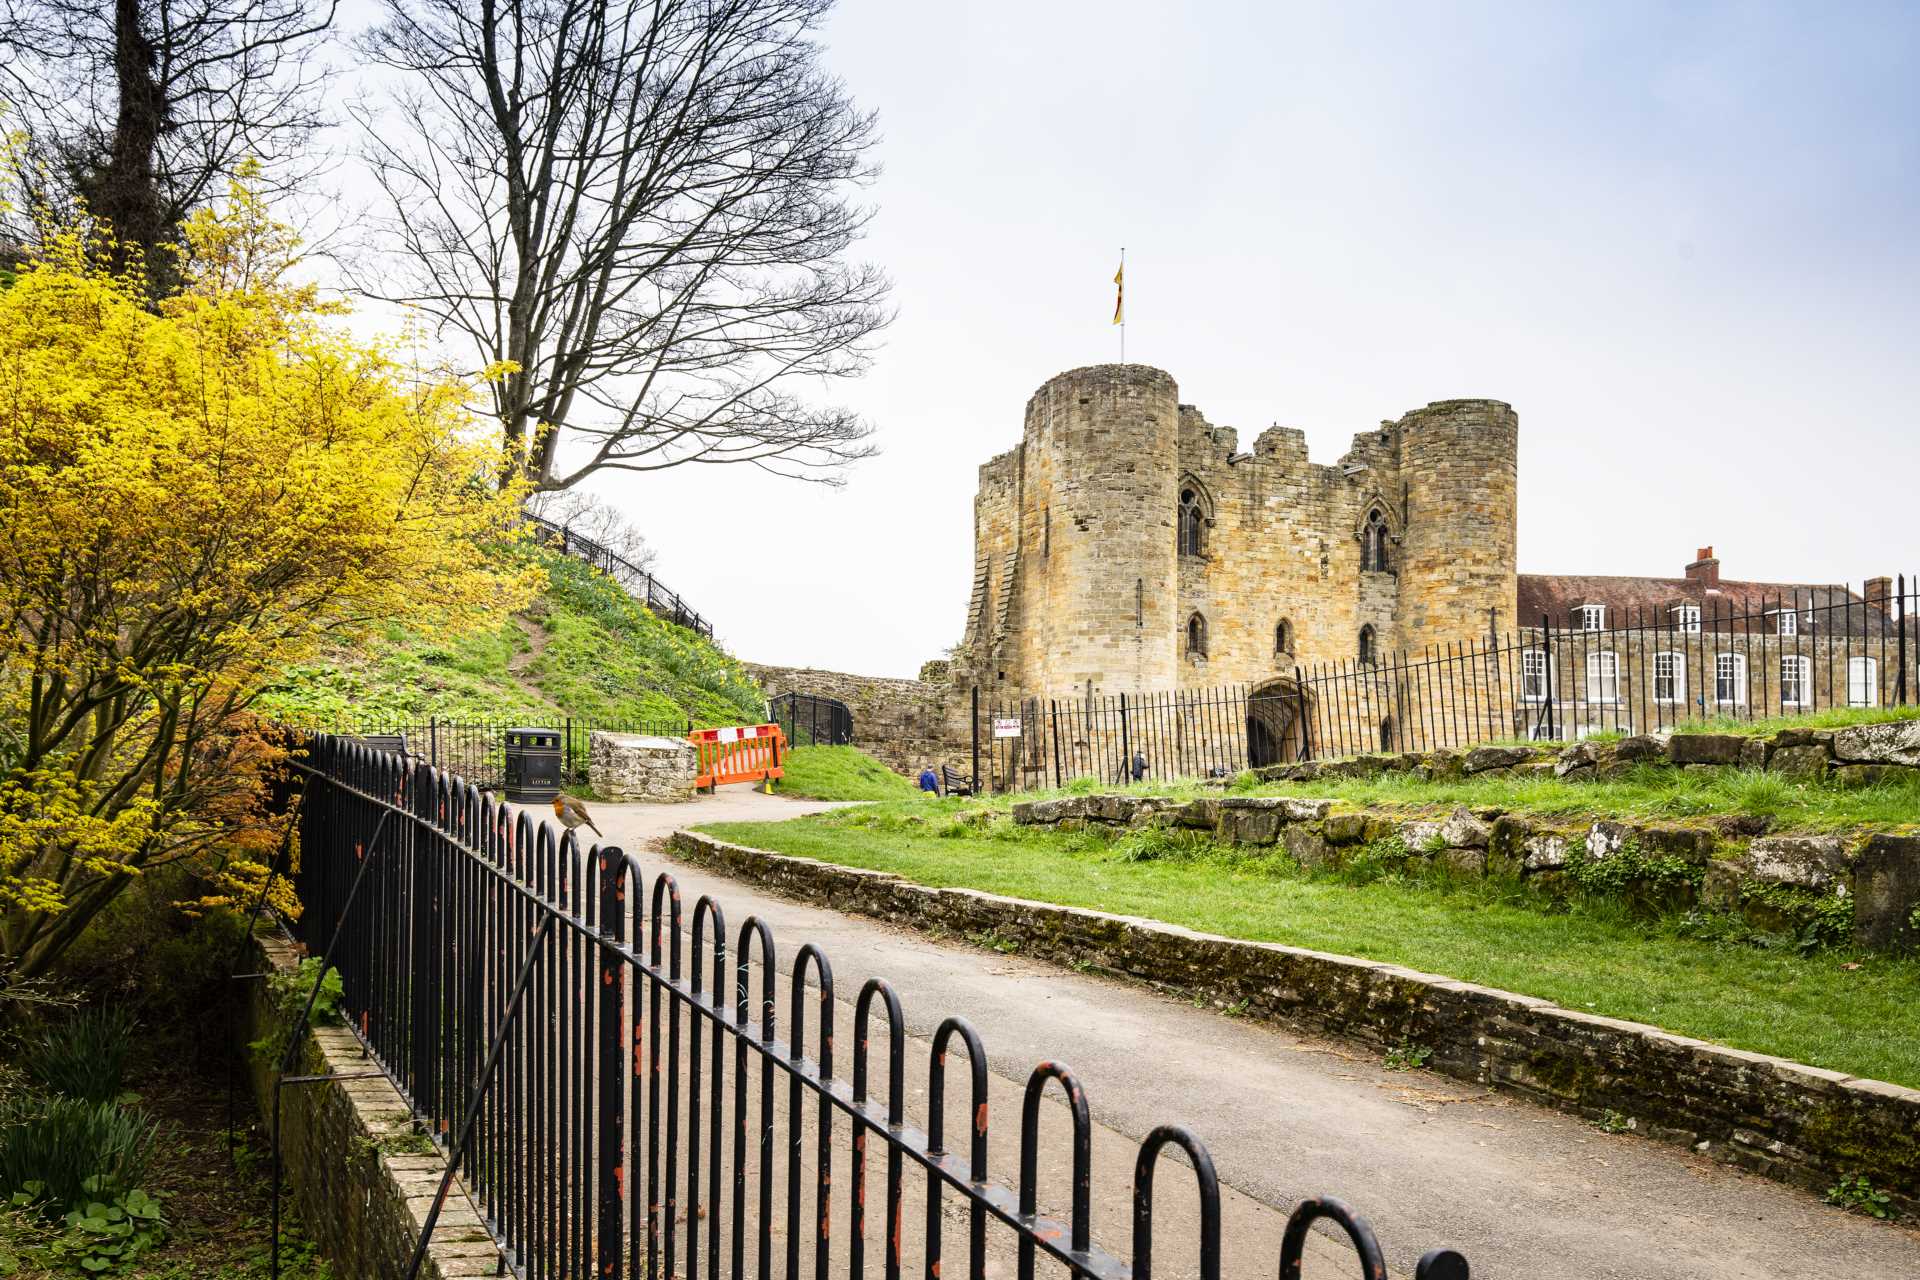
288 991
66 1151
85 1056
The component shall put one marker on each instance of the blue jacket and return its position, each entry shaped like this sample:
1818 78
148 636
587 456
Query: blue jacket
929 781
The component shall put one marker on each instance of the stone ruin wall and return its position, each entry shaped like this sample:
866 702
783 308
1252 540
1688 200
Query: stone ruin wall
906 724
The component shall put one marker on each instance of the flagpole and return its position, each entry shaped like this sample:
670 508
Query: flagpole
1123 312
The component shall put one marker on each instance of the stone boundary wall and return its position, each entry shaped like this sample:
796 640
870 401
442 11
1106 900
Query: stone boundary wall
1856 756
905 723
1725 860
1798 1124
363 1205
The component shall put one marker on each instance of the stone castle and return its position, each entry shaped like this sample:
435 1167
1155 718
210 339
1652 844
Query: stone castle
1258 600
1127 544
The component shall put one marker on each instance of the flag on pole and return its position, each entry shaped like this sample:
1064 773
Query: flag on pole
1120 293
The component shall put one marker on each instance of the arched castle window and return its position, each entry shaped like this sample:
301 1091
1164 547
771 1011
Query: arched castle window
1196 637
1374 538
1193 522
1367 646
1283 637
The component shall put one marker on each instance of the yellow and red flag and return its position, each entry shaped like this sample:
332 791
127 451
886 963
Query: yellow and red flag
1120 293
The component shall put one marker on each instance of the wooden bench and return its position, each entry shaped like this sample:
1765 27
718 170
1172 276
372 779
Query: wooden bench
953 783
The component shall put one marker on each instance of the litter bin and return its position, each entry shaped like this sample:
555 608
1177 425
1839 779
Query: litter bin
533 765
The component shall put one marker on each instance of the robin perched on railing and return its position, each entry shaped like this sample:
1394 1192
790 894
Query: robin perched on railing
573 814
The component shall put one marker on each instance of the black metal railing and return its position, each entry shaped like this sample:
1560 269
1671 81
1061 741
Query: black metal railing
810 719
639 582
476 749
1648 672
611 1102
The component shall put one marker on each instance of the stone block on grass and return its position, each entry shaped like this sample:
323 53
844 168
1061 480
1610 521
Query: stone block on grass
1894 742
1872 775
1811 862
1886 892
647 768
1807 763
1485 759
1706 748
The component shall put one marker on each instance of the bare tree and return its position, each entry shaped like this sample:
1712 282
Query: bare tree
644 207
142 109
580 512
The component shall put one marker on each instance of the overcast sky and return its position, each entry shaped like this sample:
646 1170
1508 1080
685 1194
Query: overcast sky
1678 239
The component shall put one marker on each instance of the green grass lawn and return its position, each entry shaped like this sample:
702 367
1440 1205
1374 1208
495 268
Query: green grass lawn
1752 993
841 773
1745 727
1646 792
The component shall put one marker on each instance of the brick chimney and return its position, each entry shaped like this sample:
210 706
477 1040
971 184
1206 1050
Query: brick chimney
1878 591
1704 570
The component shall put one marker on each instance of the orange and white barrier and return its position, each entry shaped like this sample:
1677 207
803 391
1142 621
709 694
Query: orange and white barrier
741 753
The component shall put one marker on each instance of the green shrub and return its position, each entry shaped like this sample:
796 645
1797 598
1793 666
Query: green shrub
1858 1195
1150 844
1408 1056
288 992
52 1148
1647 881
84 1057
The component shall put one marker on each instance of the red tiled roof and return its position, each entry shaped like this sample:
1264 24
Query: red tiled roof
1557 595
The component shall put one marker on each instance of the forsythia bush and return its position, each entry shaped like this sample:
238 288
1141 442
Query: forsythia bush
192 500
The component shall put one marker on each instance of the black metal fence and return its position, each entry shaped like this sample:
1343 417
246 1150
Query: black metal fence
809 719
639 583
475 749
1649 672
619 1102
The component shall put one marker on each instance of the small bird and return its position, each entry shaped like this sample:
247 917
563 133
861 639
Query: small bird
573 814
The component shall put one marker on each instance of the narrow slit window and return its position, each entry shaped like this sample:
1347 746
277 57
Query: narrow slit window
1196 637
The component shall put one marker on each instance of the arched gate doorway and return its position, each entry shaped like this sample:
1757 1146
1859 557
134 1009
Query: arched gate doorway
1279 715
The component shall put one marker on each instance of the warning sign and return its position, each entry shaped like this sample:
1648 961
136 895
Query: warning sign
1006 727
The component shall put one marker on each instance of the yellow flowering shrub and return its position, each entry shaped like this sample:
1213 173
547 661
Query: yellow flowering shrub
190 501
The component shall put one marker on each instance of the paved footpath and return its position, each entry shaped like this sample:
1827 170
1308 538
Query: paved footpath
1522 1191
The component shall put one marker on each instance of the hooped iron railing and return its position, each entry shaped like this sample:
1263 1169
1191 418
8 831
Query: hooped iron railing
496 973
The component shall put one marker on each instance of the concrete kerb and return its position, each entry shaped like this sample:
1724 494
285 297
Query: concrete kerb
1799 1124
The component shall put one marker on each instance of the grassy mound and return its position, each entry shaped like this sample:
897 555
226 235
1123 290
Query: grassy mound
842 773
584 649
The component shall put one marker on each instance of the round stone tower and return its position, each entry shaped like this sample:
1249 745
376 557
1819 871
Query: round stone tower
1101 471
1459 460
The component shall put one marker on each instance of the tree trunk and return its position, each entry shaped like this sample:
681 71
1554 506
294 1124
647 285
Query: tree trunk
125 193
